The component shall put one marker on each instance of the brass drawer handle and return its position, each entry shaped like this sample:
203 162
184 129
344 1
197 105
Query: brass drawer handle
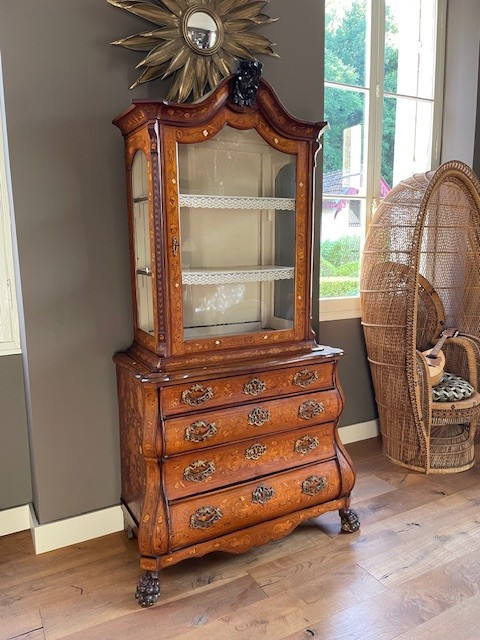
205 517
254 387
259 416
306 444
262 494
255 452
309 409
196 395
199 471
200 431
314 484
305 378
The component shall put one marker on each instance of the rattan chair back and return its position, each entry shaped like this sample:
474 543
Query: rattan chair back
420 273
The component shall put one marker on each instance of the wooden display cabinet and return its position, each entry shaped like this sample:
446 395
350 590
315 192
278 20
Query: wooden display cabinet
228 407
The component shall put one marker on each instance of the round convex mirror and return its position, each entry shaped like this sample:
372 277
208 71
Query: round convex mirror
202 31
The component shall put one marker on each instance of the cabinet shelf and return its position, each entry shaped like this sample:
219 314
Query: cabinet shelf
233 275
235 202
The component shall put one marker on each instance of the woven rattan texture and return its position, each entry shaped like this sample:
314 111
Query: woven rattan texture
420 274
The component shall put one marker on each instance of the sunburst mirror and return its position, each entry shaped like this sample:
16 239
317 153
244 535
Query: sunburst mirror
197 40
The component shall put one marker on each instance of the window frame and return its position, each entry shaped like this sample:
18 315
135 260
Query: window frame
349 307
8 289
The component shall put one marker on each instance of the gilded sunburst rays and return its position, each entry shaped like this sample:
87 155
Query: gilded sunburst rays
173 49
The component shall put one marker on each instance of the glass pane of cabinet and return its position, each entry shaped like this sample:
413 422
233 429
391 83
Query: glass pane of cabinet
237 226
141 233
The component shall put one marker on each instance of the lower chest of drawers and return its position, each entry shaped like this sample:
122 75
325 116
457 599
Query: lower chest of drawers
206 459
209 428
229 467
191 473
214 514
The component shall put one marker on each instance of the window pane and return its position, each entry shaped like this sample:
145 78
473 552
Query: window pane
406 141
343 230
344 142
346 41
410 47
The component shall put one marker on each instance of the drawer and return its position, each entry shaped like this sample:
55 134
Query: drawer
190 473
246 388
209 516
209 428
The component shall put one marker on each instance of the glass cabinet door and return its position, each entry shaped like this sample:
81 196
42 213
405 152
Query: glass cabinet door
237 228
141 238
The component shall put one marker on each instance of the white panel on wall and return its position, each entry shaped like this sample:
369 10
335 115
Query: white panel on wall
9 328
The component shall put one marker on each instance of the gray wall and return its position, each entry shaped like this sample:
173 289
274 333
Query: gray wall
15 480
476 147
62 88
63 85
461 80
354 371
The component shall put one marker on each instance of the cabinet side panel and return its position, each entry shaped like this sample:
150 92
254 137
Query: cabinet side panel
142 187
130 400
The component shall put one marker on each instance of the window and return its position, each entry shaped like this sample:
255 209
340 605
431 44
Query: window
9 330
383 88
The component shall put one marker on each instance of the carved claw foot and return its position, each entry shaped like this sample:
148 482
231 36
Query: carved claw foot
148 589
350 521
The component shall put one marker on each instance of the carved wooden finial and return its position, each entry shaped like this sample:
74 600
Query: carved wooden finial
246 83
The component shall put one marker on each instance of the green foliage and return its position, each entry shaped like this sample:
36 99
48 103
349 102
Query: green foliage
345 37
349 268
339 267
339 252
388 139
338 287
327 268
343 109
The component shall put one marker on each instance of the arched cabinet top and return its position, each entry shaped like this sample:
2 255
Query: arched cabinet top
198 113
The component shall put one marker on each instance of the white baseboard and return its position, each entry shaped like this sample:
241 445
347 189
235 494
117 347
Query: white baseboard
361 431
62 533
14 520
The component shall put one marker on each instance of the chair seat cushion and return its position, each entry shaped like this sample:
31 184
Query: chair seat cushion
452 389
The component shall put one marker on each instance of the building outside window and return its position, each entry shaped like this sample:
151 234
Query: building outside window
384 67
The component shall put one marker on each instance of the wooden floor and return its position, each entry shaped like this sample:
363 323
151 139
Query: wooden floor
411 573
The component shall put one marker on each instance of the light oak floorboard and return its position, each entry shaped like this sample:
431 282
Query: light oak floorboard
412 572
33 635
458 623
171 619
451 540
422 602
293 609
373 539
15 621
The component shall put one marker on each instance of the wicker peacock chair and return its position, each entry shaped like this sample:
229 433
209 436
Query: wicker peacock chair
421 274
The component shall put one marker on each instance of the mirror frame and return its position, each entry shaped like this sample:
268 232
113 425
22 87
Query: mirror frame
168 49
220 32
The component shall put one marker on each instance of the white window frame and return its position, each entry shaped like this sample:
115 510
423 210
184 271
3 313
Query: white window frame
343 308
8 292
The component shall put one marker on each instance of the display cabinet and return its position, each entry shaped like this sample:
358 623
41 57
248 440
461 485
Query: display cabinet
228 407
